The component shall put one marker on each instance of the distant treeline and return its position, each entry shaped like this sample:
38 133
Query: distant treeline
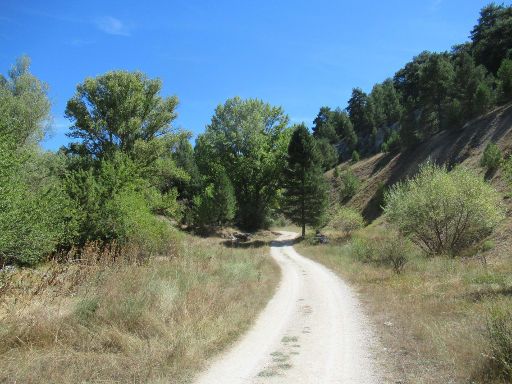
433 92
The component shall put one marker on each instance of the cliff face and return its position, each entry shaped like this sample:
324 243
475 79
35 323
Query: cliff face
450 147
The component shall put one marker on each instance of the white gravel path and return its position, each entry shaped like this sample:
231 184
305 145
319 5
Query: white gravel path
312 331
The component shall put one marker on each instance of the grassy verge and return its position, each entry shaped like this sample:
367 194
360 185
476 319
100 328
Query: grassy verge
155 321
433 318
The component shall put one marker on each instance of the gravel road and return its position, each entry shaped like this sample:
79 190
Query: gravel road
312 331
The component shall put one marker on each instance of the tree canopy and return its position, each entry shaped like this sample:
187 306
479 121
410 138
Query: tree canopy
248 138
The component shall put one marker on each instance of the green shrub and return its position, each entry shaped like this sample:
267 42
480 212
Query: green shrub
115 204
355 156
499 334
391 250
492 157
363 250
216 204
442 211
488 245
482 99
396 252
349 185
36 215
346 220
392 144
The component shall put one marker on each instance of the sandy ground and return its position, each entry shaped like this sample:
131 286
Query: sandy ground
312 331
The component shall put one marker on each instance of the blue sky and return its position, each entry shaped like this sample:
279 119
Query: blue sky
297 54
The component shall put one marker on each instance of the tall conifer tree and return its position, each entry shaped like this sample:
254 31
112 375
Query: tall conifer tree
305 196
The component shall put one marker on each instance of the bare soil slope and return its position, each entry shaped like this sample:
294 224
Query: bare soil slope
463 146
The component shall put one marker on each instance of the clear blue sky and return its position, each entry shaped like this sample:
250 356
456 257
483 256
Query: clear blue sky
297 54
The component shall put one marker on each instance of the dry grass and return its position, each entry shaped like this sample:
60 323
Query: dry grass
432 318
129 320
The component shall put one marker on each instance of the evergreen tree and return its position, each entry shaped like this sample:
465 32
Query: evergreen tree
505 81
344 128
482 99
305 195
436 82
328 156
492 36
360 111
323 127
216 205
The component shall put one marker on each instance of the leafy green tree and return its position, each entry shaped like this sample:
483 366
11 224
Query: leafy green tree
119 111
36 217
248 138
444 212
505 80
126 149
305 194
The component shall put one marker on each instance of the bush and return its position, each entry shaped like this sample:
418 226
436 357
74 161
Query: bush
349 185
499 334
442 211
363 250
346 220
216 204
392 144
482 99
355 156
36 215
392 250
491 158
115 204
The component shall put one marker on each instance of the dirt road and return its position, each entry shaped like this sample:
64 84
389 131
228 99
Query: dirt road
312 331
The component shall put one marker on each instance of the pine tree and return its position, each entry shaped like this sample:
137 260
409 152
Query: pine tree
305 195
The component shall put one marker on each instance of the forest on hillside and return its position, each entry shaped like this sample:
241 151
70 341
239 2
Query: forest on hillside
129 173
433 92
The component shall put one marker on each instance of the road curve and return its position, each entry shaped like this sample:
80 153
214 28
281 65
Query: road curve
312 331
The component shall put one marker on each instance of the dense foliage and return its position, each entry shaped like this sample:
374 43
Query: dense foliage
433 92
129 173
35 213
442 211
248 138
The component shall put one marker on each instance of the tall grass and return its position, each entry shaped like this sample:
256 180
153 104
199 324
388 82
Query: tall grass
127 320
433 318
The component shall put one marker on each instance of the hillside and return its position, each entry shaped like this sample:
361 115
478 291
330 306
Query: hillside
449 147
